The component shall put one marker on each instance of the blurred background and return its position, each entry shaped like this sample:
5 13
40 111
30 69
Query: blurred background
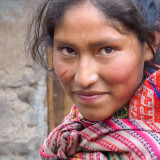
23 112
31 104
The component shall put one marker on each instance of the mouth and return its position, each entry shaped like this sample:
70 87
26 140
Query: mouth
90 96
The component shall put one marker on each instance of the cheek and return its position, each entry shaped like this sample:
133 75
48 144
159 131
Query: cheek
63 72
125 72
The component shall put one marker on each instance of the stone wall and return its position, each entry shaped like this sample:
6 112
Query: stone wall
23 115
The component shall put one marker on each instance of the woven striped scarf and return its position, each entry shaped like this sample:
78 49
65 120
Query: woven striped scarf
133 133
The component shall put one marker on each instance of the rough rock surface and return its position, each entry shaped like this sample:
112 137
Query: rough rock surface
23 123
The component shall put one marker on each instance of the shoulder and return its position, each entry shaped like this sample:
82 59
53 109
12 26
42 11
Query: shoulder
145 103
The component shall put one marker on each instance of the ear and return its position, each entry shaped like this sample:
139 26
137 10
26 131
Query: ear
156 41
155 45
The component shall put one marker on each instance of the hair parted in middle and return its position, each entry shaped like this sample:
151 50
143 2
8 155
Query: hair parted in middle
140 17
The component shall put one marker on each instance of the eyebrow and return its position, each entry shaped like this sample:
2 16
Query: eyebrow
105 42
62 43
98 43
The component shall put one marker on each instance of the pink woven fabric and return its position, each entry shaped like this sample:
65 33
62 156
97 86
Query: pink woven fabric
135 138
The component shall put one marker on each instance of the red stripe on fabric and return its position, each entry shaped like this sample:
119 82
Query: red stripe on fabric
108 145
73 141
128 123
128 144
113 125
86 135
150 142
43 154
78 156
95 130
153 126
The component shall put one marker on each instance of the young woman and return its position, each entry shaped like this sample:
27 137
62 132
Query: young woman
104 55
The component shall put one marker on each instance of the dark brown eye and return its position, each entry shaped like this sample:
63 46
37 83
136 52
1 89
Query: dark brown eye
68 51
106 51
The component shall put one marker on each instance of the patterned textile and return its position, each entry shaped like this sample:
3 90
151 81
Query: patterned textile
133 133
145 104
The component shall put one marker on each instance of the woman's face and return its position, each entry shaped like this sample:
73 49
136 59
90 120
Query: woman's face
98 67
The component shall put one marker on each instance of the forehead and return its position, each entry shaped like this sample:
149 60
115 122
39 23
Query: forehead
88 12
86 26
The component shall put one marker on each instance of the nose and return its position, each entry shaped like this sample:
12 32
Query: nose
86 74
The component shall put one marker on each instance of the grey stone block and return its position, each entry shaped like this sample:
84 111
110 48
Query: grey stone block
30 118
26 94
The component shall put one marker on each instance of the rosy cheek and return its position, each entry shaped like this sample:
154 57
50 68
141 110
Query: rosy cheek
63 75
120 72
62 72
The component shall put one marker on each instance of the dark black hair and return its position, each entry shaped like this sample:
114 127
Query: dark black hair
138 16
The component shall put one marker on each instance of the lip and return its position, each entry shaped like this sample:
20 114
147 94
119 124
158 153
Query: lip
90 96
